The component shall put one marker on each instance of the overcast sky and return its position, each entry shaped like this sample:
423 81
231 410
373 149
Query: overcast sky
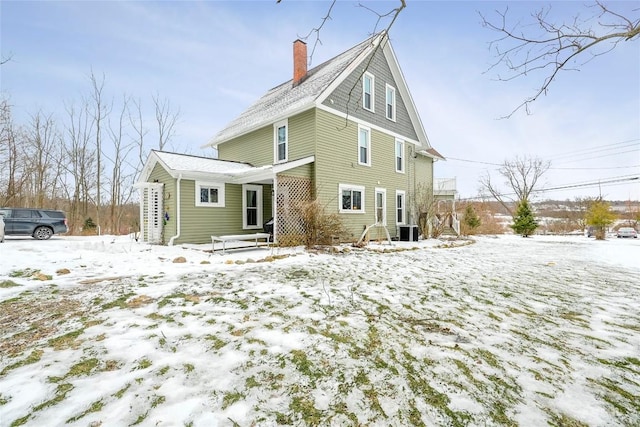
212 59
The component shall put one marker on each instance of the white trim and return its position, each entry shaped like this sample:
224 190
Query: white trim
366 75
404 207
382 191
360 188
368 146
258 190
221 194
388 87
281 124
403 156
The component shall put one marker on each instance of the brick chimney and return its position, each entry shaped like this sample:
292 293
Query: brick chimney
299 61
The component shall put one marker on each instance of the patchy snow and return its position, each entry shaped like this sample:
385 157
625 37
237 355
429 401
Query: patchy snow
108 331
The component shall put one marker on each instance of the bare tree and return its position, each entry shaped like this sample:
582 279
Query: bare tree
166 119
100 112
81 158
521 175
121 182
546 47
137 123
10 177
40 157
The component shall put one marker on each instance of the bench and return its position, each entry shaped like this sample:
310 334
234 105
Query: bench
238 238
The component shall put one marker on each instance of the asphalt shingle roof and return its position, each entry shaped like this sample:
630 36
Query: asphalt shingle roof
184 162
287 98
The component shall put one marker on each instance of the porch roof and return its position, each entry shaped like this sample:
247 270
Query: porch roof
203 168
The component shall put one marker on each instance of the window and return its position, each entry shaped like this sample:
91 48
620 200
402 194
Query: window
364 146
280 142
351 198
381 206
210 194
399 155
391 103
400 207
368 91
251 206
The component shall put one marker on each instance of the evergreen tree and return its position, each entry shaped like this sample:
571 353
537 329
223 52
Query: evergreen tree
471 219
524 222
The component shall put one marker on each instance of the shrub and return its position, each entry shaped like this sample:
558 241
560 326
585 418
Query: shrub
319 226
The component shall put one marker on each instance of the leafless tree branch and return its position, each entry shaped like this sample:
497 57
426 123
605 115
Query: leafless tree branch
565 46
521 175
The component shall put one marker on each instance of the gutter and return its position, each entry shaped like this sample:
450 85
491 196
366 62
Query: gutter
177 211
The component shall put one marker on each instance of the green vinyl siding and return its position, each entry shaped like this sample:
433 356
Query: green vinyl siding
159 174
199 223
337 163
257 147
302 135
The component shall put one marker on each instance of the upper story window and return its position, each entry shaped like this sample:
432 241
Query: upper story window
280 142
391 103
364 146
209 194
351 198
399 155
368 91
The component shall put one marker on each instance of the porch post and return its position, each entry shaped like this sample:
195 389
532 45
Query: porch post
275 208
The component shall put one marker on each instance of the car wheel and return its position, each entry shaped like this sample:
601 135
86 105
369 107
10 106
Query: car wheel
42 233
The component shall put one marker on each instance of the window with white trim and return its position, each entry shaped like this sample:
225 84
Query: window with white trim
351 198
381 206
251 206
391 102
368 91
280 141
400 207
364 146
399 155
210 194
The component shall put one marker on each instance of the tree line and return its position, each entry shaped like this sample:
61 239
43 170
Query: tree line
84 161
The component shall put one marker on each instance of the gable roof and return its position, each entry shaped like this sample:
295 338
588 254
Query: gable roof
287 99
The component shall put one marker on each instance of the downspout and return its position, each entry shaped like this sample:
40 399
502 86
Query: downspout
177 211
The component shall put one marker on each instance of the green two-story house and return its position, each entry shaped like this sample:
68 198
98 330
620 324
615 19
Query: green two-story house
345 132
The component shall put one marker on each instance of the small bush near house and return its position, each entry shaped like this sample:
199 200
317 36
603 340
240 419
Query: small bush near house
319 226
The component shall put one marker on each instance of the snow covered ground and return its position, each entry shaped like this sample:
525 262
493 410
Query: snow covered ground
105 331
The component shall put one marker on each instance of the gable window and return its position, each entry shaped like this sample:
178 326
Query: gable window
251 206
368 91
364 146
400 207
381 206
210 194
399 155
351 198
391 103
280 142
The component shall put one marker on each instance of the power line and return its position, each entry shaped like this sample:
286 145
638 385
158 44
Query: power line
597 147
585 184
600 156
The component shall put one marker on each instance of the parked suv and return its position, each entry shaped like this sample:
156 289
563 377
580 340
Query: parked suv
41 224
